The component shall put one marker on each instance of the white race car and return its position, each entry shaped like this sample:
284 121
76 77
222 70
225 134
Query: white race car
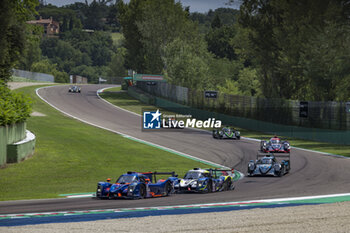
74 89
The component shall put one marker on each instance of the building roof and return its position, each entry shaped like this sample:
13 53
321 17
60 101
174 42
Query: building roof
43 21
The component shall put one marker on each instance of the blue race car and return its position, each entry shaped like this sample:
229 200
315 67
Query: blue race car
135 185
206 181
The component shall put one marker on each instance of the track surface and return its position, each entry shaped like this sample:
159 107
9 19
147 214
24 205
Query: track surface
311 173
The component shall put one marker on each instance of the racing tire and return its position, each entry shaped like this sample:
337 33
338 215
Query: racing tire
288 167
210 186
168 189
143 191
281 173
227 185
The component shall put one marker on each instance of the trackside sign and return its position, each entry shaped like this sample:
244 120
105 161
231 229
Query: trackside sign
153 120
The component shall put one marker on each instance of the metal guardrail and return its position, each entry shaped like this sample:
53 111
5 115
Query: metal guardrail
34 75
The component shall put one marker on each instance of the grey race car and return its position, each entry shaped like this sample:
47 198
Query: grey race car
74 89
226 132
267 165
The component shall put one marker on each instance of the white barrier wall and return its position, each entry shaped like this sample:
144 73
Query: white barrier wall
34 76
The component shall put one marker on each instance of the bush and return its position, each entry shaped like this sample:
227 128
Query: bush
14 107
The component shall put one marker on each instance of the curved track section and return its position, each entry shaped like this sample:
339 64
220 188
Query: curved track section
311 173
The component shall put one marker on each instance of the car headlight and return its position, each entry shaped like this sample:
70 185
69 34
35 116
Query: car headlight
277 167
131 188
202 183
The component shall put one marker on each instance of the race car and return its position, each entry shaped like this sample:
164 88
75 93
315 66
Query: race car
206 181
226 132
275 145
135 185
267 165
74 89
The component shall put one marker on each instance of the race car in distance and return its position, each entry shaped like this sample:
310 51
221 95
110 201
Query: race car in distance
226 132
267 165
135 185
74 89
275 145
206 181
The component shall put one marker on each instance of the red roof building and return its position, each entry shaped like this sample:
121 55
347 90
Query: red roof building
51 27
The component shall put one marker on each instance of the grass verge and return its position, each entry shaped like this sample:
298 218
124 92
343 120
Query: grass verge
123 100
71 157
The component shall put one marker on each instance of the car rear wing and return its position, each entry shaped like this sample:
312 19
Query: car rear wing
280 155
153 175
268 139
215 171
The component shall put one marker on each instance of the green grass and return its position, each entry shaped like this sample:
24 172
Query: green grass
71 157
125 101
113 89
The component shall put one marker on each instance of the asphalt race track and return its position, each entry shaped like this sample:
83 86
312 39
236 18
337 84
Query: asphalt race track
311 173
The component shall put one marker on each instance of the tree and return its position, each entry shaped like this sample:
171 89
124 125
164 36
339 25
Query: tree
45 66
128 15
148 26
187 63
219 41
116 66
32 51
283 34
13 14
216 23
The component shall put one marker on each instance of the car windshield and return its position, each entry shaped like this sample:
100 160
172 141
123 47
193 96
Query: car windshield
226 129
275 141
265 161
126 179
193 175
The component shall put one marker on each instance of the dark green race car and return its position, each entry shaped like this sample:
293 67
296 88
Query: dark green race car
226 133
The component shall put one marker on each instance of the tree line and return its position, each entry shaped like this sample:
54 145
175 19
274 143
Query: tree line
75 51
14 107
274 48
